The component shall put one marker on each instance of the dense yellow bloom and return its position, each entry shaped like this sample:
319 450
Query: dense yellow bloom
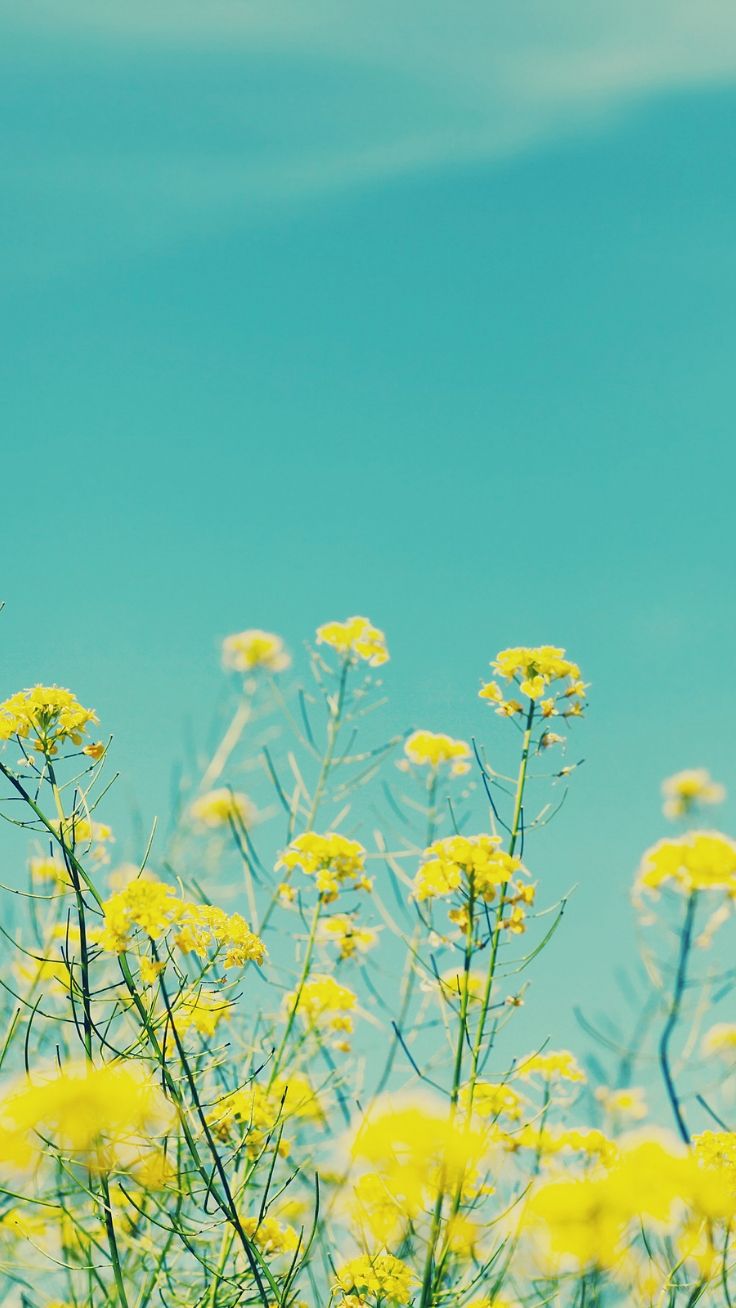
45 716
494 1099
246 651
201 1011
535 670
218 808
686 790
91 1114
272 1236
700 860
380 1276
410 1149
355 638
324 1004
335 862
471 864
554 1065
347 933
152 907
259 1110
432 749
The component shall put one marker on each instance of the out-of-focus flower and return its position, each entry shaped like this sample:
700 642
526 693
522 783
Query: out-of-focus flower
344 930
356 639
46 716
552 1065
687 790
432 749
323 1004
247 651
220 807
700 860
627 1103
721 1039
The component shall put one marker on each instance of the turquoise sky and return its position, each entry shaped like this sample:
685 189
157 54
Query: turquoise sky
425 312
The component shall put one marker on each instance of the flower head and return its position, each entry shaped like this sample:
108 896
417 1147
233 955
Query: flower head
687 790
220 807
699 860
335 862
379 1276
248 651
355 639
45 716
542 673
433 749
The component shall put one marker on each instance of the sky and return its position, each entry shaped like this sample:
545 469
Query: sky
421 312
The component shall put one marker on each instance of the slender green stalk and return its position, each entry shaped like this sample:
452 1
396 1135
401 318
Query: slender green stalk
686 936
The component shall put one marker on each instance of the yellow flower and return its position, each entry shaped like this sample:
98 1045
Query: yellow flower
50 869
220 807
350 937
535 670
90 1113
260 1109
554 1065
468 864
380 1276
686 790
246 651
629 1102
720 1039
335 862
272 1236
202 1011
432 749
494 1099
355 638
324 1004
151 907
700 860
47 716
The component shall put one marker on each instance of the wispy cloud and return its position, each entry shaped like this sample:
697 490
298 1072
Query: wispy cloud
177 114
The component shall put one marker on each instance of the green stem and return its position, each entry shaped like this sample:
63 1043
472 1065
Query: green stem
668 1030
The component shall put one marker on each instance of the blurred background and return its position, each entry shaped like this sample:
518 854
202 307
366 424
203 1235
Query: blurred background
425 313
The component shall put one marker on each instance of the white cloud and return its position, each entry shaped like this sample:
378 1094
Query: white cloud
383 89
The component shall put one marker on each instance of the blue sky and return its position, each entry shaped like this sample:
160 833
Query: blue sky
418 313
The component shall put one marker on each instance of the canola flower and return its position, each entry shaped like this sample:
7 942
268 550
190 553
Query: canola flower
166 1139
252 650
46 717
687 790
356 639
433 749
335 862
218 808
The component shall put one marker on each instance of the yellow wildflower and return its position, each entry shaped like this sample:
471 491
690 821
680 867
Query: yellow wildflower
554 1065
720 1039
46 716
346 932
218 808
272 1236
323 1003
629 1102
355 638
535 670
246 651
433 749
686 790
202 1011
380 1276
469 864
700 860
335 862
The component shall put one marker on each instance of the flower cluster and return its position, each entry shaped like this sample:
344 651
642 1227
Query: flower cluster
544 675
153 908
335 862
380 1276
344 930
355 639
699 860
324 1005
101 1116
46 717
248 651
474 868
258 1111
433 749
218 808
687 790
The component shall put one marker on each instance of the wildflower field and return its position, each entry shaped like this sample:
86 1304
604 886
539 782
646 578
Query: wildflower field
267 1062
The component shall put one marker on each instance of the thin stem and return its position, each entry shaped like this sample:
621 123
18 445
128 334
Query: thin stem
668 1030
